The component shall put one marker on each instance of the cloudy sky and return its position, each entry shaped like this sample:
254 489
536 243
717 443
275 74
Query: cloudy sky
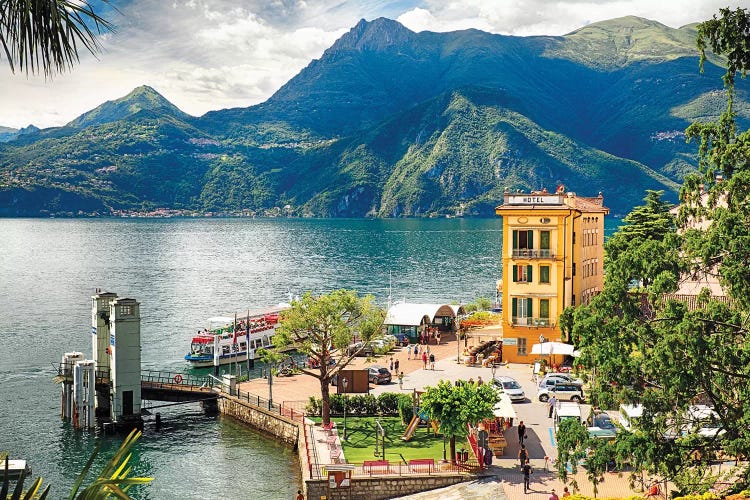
213 54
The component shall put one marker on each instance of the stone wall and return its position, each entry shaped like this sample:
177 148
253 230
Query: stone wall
377 488
281 427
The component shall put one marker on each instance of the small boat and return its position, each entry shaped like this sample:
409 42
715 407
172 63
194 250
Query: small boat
235 338
14 468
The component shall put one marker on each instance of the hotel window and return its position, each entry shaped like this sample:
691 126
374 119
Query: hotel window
543 274
521 346
522 274
544 311
523 240
544 243
521 309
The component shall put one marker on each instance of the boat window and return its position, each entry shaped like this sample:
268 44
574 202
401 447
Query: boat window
225 349
243 346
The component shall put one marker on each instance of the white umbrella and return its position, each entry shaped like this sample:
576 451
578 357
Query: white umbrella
552 348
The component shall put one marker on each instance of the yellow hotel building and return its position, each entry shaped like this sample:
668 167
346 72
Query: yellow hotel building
553 253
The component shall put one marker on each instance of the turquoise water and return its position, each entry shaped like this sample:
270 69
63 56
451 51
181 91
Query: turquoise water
184 271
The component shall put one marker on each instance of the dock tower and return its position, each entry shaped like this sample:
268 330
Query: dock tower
125 360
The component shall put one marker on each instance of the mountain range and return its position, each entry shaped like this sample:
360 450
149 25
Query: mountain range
391 123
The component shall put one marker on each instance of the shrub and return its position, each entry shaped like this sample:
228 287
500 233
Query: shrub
313 407
388 403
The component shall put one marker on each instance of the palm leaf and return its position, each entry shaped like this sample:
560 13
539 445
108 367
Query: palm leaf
84 472
44 34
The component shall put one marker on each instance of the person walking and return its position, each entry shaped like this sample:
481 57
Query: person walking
391 365
523 455
566 492
554 496
479 381
526 469
521 432
432 362
424 360
401 380
552 402
408 352
396 365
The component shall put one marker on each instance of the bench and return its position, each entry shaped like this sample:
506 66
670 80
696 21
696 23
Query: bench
382 465
419 464
328 427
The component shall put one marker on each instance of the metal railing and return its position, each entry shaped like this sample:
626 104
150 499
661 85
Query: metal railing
176 378
66 370
530 253
532 321
428 467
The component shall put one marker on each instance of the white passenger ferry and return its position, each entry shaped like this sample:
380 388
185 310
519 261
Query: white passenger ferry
235 338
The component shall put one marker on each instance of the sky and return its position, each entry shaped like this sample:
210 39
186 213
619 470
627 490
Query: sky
204 55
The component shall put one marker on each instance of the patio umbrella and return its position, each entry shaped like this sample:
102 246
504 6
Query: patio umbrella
552 348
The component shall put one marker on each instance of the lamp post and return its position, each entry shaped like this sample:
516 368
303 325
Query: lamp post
541 345
345 385
494 369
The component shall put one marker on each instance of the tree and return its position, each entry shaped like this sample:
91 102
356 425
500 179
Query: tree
324 328
651 348
455 406
45 34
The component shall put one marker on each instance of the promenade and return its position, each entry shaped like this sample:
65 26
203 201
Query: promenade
501 480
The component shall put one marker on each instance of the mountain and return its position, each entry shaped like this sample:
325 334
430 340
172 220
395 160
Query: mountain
392 123
142 100
8 133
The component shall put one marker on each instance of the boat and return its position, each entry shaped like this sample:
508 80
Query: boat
234 337
15 467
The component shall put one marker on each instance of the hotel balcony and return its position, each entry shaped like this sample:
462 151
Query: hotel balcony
529 253
533 322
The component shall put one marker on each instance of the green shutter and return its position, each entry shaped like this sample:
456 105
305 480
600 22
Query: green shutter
515 275
529 313
528 270
531 240
515 239
514 308
544 240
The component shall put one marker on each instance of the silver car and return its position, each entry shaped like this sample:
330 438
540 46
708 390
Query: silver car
511 387
562 392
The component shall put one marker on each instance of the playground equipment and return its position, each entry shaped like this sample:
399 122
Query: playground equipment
414 423
379 440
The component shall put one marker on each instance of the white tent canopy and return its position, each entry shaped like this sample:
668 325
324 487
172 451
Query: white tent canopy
504 408
408 314
552 348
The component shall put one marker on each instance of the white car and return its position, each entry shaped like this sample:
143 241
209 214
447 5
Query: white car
511 387
559 378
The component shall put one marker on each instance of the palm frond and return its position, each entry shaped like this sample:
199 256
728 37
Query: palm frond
43 35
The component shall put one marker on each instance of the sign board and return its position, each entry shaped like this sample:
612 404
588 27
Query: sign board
510 341
534 199
537 367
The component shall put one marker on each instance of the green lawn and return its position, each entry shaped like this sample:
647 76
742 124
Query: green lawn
361 443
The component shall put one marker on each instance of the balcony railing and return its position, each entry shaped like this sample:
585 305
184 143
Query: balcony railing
533 321
530 253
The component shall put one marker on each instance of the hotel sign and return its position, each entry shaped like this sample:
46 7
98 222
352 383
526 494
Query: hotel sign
534 199
510 341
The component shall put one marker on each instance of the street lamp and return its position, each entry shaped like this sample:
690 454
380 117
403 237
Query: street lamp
345 385
541 345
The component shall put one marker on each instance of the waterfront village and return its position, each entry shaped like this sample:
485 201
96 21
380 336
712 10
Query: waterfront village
444 400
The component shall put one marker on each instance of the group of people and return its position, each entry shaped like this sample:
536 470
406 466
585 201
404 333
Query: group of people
428 334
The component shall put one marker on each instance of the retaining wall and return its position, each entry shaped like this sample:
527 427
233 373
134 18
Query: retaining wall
377 488
274 424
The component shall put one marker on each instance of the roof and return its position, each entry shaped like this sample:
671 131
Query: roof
406 314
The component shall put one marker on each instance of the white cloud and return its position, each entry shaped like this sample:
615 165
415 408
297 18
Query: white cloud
212 54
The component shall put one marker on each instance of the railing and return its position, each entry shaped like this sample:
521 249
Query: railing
533 321
255 400
529 253
175 378
66 370
425 466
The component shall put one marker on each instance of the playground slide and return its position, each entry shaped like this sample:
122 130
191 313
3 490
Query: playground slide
411 428
435 426
475 448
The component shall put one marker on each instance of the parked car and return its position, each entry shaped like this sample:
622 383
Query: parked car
361 348
559 378
379 375
601 426
511 387
566 411
562 392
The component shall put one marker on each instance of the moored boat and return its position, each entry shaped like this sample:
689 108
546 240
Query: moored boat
15 467
234 339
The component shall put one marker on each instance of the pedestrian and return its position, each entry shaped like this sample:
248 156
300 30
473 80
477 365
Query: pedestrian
521 432
552 403
395 365
391 367
432 362
526 469
479 381
566 493
424 360
408 352
299 496
523 455
401 380
416 350
428 350
554 496
437 338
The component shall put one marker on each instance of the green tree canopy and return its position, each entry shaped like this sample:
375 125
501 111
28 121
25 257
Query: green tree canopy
455 406
324 327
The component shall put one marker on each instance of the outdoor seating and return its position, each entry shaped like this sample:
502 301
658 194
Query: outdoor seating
422 465
382 466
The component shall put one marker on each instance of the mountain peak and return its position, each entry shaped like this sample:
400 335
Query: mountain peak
374 35
143 98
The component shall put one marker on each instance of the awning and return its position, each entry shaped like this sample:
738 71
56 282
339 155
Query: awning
504 408
221 319
552 348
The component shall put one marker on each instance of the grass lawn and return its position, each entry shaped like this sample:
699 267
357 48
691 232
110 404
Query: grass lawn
361 443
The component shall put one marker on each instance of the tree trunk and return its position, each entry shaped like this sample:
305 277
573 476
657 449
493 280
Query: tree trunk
325 401
453 450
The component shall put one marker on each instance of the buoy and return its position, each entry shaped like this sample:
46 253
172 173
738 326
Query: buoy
177 379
